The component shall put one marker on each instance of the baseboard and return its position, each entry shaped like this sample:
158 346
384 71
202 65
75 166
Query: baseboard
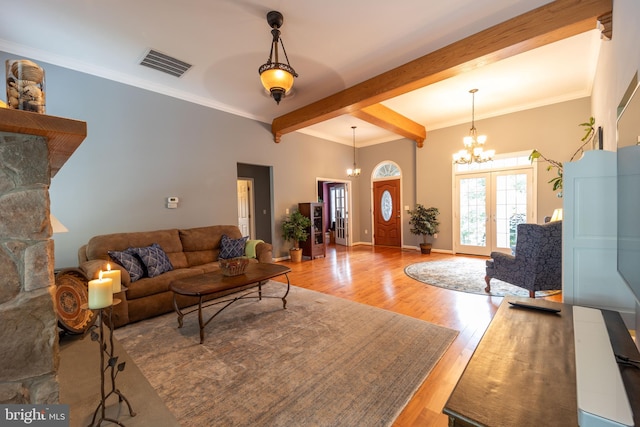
408 247
441 251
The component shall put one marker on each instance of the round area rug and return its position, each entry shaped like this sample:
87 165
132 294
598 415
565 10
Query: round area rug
465 275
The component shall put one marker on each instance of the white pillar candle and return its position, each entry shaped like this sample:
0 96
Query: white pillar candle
115 276
100 292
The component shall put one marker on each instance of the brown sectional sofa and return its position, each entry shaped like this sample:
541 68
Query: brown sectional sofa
191 251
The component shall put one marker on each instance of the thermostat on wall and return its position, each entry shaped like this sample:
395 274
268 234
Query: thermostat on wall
172 202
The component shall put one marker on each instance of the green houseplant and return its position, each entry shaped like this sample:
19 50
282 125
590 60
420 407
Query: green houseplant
557 181
294 229
424 222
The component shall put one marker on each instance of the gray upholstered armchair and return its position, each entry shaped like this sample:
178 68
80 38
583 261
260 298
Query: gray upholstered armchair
537 264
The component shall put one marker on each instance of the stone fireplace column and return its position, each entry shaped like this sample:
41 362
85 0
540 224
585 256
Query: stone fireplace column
31 150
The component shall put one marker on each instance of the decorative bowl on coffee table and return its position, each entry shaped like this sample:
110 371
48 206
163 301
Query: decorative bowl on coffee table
233 266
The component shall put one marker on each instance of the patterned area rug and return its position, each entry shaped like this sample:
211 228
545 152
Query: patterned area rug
465 275
324 361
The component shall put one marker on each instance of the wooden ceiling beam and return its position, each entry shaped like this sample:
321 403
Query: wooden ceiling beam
393 121
547 24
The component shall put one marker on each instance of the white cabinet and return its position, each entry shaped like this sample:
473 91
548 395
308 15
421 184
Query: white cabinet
589 236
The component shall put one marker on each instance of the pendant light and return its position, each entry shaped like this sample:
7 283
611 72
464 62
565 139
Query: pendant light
355 171
276 77
473 151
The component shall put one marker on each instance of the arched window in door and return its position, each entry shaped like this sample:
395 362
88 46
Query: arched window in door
386 170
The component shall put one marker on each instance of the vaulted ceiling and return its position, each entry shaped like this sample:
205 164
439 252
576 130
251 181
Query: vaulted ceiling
394 69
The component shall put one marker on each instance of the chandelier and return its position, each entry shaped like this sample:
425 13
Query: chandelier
276 77
355 171
473 151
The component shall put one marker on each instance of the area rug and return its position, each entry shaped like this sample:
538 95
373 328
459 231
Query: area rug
464 274
324 361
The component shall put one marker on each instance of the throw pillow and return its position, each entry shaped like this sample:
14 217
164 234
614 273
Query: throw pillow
130 262
250 248
154 259
232 248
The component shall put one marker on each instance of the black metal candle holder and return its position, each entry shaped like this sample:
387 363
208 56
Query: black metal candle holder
111 368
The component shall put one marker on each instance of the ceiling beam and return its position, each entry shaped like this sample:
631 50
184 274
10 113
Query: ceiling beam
547 24
386 118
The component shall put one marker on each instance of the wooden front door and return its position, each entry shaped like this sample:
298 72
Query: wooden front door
386 213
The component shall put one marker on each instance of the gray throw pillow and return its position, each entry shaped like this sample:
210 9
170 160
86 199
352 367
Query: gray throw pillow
232 248
130 262
154 259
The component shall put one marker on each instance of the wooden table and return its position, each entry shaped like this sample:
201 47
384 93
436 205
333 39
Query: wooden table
208 284
523 371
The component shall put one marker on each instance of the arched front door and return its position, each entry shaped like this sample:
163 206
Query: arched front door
386 213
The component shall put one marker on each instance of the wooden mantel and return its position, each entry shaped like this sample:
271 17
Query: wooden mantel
63 135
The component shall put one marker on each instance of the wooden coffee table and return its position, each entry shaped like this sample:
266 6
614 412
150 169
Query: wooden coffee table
210 283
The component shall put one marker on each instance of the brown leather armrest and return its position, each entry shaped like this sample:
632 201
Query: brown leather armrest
264 252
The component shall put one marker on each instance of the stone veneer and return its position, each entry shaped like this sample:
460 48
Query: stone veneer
29 352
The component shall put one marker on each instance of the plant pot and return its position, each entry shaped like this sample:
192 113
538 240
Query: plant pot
296 255
425 248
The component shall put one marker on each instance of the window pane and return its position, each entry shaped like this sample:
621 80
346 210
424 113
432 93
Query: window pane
386 205
473 212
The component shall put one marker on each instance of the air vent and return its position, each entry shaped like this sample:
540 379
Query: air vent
165 63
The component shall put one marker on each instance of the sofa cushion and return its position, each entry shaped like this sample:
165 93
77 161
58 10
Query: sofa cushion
210 267
169 240
154 259
232 248
148 286
130 262
201 245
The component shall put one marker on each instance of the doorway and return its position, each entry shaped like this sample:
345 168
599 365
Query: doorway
386 213
336 195
246 203
259 203
488 206
341 219
386 198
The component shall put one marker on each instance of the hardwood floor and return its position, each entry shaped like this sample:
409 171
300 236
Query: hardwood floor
375 276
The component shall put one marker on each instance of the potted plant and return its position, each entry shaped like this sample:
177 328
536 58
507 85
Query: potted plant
424 222
294 228
557 181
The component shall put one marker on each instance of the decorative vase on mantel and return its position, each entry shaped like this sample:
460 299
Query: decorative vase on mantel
25 85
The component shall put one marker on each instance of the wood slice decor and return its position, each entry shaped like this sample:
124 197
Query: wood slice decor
71 294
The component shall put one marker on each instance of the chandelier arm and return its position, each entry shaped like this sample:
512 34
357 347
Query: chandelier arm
287 58
269 61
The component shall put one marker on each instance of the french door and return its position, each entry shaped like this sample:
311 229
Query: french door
341 213
489 206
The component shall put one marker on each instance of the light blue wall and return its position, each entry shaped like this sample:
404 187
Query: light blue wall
552 130
142 147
